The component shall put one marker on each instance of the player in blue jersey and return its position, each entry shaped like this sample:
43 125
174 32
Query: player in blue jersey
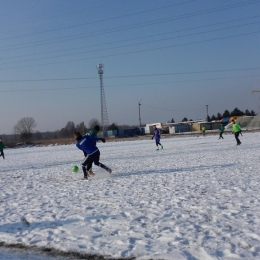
86 144
157 136
94 133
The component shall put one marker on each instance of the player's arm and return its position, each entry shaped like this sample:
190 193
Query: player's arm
98 139
79 147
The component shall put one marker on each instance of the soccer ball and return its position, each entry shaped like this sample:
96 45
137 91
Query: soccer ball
75 168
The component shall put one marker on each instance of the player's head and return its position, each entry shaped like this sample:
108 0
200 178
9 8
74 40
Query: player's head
96 127
77 135
154 126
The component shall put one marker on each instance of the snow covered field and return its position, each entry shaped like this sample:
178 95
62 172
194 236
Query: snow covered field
199 198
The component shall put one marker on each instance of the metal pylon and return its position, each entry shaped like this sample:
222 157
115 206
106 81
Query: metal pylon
104 115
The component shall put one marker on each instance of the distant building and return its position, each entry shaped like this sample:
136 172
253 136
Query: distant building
122 133
149 127
248 122
182 127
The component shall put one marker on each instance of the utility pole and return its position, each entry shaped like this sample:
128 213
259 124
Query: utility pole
207 106
253 91
140 112
104 116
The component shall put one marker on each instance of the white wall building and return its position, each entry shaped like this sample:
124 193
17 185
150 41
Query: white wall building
149 127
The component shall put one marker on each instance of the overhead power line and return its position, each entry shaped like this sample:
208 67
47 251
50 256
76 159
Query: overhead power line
58 15
124 28
133 76
126 85
99 21
137 51
134 44
131 39
168 109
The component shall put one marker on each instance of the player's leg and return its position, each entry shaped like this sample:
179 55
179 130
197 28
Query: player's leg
96 157
160 144
90 172
86 165
90 166
237 139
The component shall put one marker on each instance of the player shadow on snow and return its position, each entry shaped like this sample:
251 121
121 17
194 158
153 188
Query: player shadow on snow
177 170
25 225
42 166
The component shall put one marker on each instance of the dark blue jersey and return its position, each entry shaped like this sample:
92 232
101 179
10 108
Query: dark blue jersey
86 144
156 134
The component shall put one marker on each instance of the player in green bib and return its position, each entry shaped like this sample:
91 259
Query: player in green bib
2 146
236 130
221 131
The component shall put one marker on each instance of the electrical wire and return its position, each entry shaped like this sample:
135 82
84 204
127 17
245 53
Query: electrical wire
198 109
57 15
127 40
136 26
103 20
130 45
134 76
127 85
133 52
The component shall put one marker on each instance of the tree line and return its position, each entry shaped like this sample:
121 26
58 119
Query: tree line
23 130
219 116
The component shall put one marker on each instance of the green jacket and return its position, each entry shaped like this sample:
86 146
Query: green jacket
222 129
92 133
1 146
236 128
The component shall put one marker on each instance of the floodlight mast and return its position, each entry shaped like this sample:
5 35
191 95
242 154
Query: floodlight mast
104 116
140 112
207 106
253 91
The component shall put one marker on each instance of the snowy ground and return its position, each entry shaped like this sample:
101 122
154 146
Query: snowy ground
196 199
26 254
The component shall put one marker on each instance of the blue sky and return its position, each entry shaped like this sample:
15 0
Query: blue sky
178 56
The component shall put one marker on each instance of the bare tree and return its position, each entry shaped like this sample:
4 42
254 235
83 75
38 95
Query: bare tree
81 128
25 127
114 126
70 127
93 122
